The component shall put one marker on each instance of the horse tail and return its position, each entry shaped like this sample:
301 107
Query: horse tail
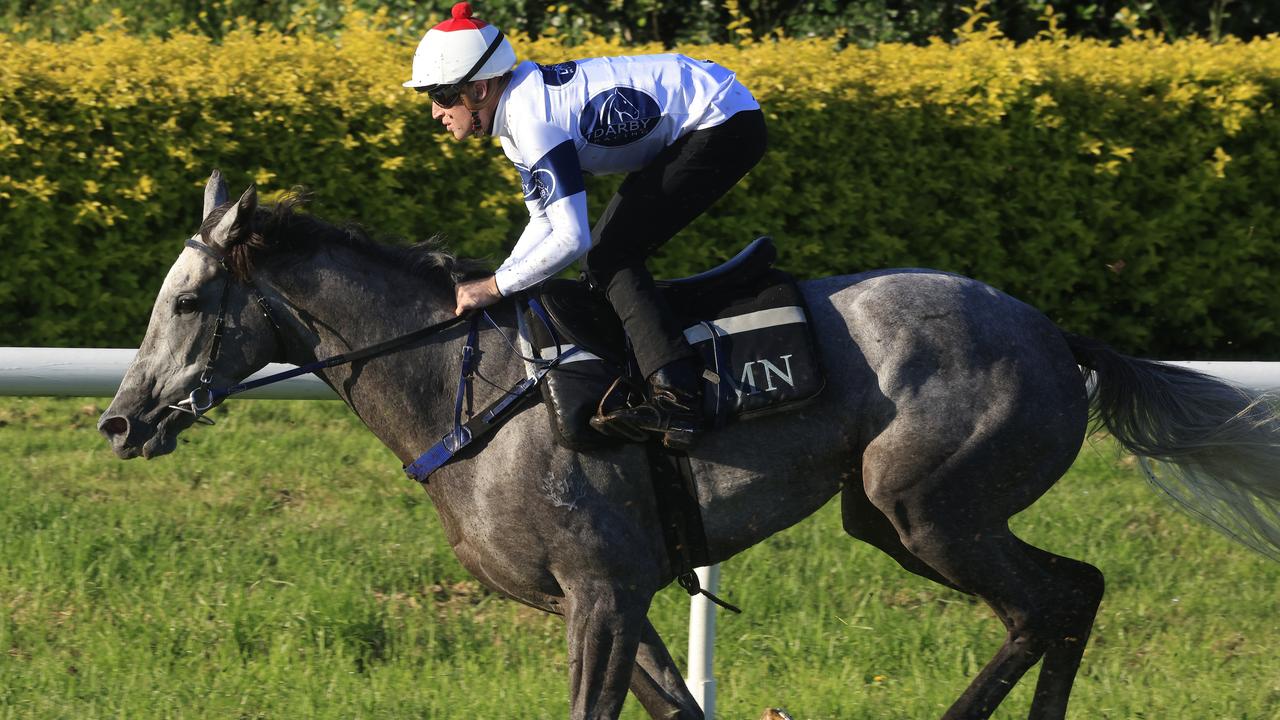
1212 446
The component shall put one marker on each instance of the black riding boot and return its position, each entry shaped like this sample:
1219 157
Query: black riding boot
674 407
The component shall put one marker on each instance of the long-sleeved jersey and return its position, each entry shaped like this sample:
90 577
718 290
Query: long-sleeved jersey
597 116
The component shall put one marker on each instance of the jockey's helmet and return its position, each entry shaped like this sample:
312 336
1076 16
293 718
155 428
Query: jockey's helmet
459 50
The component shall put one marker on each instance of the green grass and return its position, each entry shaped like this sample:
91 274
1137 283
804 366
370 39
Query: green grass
279 565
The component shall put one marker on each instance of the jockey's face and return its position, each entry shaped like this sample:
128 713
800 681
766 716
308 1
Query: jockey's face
475 98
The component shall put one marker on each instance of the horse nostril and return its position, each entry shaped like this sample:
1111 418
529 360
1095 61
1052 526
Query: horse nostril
113 426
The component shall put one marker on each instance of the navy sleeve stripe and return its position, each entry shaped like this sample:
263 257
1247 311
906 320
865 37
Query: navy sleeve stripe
554 176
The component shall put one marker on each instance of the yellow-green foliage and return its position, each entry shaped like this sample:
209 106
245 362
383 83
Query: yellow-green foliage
1131 191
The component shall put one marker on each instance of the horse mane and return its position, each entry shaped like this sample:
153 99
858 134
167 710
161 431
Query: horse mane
285 230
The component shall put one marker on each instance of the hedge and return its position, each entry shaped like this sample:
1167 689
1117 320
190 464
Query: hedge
1131 191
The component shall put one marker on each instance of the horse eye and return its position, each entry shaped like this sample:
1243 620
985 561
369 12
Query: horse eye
187 304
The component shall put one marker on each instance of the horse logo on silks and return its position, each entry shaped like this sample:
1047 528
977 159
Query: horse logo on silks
619 116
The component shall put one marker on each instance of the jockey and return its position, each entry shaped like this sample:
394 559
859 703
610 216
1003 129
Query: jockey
684 130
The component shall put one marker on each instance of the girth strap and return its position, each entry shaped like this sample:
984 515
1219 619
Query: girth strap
681 517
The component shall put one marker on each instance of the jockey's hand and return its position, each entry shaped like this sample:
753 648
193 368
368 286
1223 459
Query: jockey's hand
474 294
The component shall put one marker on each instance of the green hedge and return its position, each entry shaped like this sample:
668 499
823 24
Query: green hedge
1132 191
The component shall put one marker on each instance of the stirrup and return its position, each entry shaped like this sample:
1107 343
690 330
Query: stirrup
676 433
617 428
608 423
677 426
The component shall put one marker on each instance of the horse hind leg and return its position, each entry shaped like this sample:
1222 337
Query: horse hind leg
991 564
1047 604
950 513
1062 657
863 520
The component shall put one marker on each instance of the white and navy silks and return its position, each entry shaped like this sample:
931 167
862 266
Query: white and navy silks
596 116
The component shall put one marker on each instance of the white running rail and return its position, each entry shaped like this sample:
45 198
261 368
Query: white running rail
96 372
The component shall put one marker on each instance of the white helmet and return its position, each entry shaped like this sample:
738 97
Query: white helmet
460 50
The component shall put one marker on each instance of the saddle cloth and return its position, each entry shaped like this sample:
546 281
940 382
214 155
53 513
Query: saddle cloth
746 319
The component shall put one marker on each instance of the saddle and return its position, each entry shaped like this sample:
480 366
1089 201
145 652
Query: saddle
746 319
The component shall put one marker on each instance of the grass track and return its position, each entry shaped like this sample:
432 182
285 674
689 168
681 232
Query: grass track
280 566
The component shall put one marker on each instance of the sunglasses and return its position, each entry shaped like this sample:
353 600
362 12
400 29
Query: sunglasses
446 96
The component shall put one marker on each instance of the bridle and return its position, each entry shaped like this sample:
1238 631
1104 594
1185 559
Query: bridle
205 396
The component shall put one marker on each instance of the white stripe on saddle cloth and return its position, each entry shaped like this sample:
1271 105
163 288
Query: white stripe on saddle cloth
758 320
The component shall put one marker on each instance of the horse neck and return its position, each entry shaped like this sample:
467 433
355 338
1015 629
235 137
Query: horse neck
340 301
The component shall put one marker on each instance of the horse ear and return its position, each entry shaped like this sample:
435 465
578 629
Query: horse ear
232 227
215 193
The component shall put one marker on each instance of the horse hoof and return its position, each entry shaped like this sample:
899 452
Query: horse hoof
775 714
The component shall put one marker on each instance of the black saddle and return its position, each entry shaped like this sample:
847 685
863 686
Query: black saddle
745 318
583 316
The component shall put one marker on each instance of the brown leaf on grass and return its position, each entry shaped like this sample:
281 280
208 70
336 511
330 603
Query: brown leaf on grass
18 653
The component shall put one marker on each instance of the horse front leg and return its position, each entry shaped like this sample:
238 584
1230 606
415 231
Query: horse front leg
657 682
604 625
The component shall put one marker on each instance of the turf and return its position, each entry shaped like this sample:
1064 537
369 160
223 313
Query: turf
280 566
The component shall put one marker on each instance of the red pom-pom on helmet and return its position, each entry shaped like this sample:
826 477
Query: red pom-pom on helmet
461 11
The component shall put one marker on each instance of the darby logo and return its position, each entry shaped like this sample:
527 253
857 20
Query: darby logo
618 117
527 184
538 184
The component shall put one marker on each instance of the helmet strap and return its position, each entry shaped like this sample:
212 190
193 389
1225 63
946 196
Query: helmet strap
488 53
493 92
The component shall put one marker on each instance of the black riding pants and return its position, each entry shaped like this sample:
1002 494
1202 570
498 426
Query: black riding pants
650 207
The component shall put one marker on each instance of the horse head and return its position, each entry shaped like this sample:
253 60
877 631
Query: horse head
204 331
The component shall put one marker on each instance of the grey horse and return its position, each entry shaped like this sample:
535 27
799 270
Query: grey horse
949 407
